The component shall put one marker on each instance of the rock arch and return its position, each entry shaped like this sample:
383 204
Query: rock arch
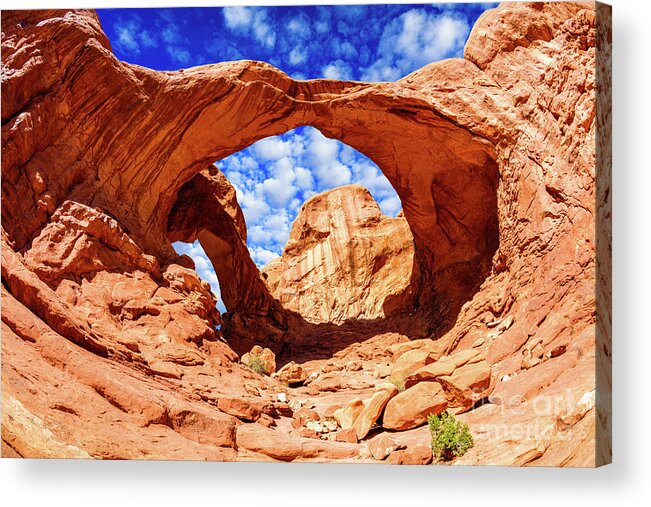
428 139
96 153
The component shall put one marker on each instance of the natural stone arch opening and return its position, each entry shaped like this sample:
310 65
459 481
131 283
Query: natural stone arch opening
449 191
280 180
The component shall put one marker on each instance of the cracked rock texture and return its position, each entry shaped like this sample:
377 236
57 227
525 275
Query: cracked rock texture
110 341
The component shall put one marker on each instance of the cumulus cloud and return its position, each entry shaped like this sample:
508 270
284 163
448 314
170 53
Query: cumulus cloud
390 206
337 70
262 256
203 267
297 56
278 192
178 54
237 17
251 21
272 148
299 26
416 38
132 37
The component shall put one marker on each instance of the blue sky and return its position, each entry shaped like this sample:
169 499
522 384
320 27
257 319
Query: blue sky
276 175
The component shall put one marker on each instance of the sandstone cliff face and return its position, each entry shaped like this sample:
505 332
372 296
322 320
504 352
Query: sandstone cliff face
110 347
345 260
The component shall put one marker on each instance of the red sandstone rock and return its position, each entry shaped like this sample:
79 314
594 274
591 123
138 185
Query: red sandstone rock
240 408
304 415
383 445
410 408
346 435
109 348
429 373
347 415
417 455
373 409
409 362
278 446
468 384
325 278
291 374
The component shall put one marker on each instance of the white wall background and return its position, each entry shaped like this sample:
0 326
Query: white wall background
626 482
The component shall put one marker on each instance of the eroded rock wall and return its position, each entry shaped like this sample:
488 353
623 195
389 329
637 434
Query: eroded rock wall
344 260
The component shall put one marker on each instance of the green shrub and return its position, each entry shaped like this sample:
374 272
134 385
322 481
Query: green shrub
450 438
257 365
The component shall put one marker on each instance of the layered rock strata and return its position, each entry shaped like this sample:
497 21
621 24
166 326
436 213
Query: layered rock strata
110 344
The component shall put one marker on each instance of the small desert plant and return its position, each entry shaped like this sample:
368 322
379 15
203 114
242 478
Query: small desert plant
399 382
450 438
256 363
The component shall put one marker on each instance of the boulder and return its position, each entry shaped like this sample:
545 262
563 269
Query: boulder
383 445
346 416
467 385
410 408
416 455
303 416
283 447
411 361
373 409
291 374
427 344
239 407
263 357
468 356
347 435
429 373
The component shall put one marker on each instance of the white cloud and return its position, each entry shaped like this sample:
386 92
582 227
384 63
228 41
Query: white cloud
337 70
237 17
321 150
127 38
147 39
203 267
304 178
262 256
272 148
131 37
333 175
416 38
258 235
171 34
381 71
390 206
278 192
321 26
297 56
299 26
178 54
253 204
263 31
250 21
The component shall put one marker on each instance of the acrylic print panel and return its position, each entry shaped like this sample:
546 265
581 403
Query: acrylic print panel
361 234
